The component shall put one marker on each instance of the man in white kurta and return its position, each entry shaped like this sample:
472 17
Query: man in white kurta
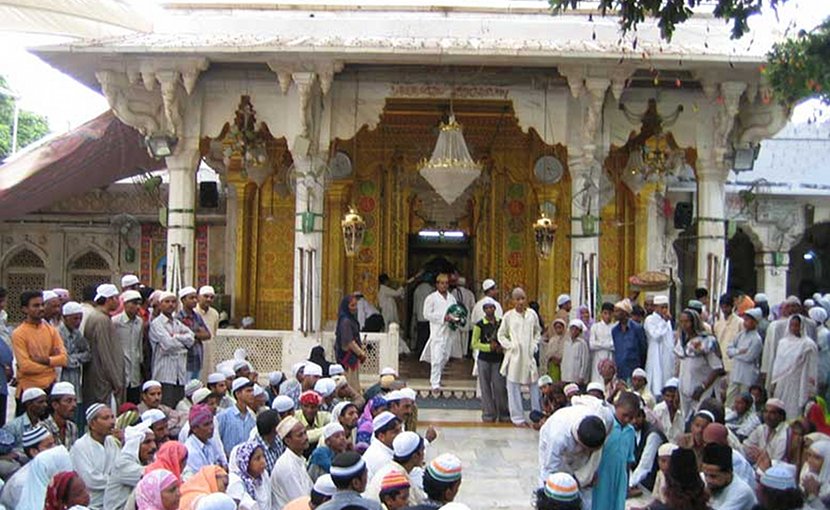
770 437
600 341
441 337
388 301
745 353
289 479
518 335
727 328
386 426
576 358
94 454
795 369
660 338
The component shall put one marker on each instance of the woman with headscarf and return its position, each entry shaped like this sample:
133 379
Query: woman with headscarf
583 313
172 456
815 475
208 480
794 369
700 361
318 356
551 348
348 348
158 490
129 464
43 467
67 490
364 424
248 484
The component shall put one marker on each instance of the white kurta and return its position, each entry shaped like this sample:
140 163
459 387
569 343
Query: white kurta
576 364
289 480
518 335
419 296
388 301
795 372
660 354
773 442
775 332
376 456
93 462
745 352
735 496
236 490
442 339
560 451
670 427
601 345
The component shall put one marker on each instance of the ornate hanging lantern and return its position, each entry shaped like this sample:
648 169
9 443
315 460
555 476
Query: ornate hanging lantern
353 230
249 143
544 231
451 169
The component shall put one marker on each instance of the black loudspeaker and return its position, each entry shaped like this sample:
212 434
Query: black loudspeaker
208 195
683 215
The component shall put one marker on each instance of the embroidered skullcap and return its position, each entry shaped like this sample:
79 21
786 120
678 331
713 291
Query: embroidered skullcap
755 313
239 365
200 395
624 305
777 403
760 298
239 383
705 413
192 386
199 415
286 426
313 369
325 386
282 404
544 380
32 394
488 284
336 369
310 398
63 388
331 429
715 433
393 396
591 431
93 410
34 435
445 468
577 323
393 481
152 416
406 443
661 300
488 301
674 382
150 384
49 294
206 290
186 291
6 442
389 371
596 386
325 486
562 299
72 308
296 367
666 449
215 501
346 466
128 280
781 476
561 487
818 314
639 372
408 393
62 293
275 378
258 390
382 420
216 377
106 290
695 305
571 389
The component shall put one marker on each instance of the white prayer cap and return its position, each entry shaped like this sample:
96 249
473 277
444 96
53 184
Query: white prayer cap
191 387
339 381
152 416
406 443
639 372
666 449
325 486
624 305
454 505
808 303
381 420
32 394
781 476
239 383
72 308
760 298
49 294
93 410
150 384
337 410
282 404
755 313
792 300
408 393
661 300
389 371
818 314
200 395
63 388
393 396
674 382
331 429
131 295
258 390
186 291
296 367
215 501
577 323
544 380
128 280
165 295
562 299
227 371
325 386
34 436
275 377
62 293
239 365
776 403
488 284
595 386
488 301
106 290
206 290
571 389
216 377
286 426
336 369
313 369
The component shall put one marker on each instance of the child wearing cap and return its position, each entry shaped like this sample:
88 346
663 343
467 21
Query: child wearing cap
560 492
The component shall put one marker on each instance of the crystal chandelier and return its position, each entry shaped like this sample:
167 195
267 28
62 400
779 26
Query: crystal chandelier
353 230
450 170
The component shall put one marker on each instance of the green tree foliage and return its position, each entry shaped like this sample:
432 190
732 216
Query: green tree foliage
31 126
799 68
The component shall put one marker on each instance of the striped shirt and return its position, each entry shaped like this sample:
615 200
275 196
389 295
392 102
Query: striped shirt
235 427
170 340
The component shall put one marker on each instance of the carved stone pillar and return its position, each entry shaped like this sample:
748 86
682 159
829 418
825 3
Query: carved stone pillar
181 211
772 274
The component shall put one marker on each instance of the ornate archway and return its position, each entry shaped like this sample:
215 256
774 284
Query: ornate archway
23 270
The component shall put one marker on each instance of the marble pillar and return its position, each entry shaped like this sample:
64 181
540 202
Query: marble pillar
181 212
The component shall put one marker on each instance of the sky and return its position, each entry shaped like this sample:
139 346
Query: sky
67 104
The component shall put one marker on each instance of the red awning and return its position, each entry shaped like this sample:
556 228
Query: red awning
95 154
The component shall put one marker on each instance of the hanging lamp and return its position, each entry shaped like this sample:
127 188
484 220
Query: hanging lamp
451 169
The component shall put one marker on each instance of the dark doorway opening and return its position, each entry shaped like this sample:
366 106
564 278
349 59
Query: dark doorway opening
741 254
810 263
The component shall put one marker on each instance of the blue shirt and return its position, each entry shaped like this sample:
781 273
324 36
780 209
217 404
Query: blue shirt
235 427
201 454
6 354
629 349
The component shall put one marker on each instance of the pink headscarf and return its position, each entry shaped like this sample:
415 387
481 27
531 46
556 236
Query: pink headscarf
149 488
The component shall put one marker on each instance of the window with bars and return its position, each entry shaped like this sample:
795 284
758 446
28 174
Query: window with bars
88 269
24 271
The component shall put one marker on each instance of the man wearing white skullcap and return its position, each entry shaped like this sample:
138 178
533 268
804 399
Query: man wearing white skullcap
104 374
660 337
94 454
745 352
334 442
36 408
518 333
563 307
171 340
630 345
289 479
388 298
488 361
408 453
129 329
386 426
491 292
210 317
188 316
151 399
51 308
444 339
77 347
60 423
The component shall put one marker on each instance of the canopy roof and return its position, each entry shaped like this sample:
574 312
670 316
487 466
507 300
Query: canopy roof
73 18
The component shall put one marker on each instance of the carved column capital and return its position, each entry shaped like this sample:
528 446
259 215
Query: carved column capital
323 69
575 74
